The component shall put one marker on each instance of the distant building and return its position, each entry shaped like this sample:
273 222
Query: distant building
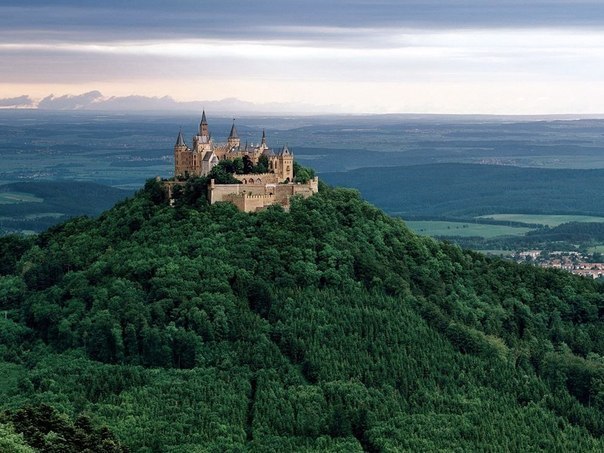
256 191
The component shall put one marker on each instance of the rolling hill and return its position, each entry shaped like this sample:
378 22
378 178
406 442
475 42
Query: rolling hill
468 190
331 327
41 204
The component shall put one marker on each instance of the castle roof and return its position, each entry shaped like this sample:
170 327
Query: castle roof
233 133
284 151
180 141
203 118
208 156
268 152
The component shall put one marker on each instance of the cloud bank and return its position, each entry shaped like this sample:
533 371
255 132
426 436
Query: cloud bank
292 20
95 101
441 56
19 101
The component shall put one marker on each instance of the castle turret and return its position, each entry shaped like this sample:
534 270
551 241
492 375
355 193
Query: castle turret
181 158
202 142
233 141
203 126
180 140
283 165
263 146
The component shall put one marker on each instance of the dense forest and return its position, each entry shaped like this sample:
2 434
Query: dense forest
575 236
454 190
330 327
57 201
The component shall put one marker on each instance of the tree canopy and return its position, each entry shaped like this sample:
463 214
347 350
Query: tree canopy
330 327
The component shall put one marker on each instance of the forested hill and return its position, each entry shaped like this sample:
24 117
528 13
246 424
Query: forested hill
328 328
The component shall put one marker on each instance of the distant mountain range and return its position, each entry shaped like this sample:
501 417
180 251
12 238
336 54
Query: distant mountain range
95 100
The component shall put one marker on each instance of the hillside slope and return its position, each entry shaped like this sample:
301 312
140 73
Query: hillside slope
328 328
56 202
468 190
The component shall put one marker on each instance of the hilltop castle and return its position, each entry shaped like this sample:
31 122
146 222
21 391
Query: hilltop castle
257 190
205 154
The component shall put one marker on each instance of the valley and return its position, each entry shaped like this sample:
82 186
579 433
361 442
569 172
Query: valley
482 182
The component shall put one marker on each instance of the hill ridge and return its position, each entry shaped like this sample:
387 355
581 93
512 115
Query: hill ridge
331 327
467 190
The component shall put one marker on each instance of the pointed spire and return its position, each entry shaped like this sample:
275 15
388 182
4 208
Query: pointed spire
285 151
233 133
263 137
180 141
203 126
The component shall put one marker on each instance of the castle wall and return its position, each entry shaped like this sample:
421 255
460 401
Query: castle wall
169 185
252 197
283 194
262 178
219 192
308 188
247 202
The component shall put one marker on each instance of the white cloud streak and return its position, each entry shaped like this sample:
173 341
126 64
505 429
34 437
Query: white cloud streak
543 70
391 43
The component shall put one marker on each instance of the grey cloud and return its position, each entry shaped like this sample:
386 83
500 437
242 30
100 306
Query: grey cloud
94 100
267 20
20 101
70 102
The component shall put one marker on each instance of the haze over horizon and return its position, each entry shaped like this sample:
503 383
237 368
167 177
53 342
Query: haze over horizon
452 56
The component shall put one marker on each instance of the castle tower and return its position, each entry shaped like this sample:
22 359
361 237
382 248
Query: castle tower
181 158
202 142
203 126
263 144
233 141
284 165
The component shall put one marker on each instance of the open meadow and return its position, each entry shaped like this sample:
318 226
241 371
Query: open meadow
437 228
551 220
18 197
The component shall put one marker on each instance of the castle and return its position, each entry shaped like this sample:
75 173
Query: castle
257 190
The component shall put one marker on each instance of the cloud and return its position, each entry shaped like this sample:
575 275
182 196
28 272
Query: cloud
19 101
311 20
94 100
337 52
70 102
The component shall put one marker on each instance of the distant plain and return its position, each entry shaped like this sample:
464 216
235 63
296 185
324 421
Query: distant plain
442 228
549 220
489 170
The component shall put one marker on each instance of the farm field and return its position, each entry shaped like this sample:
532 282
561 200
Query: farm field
463 229
541 219
18 197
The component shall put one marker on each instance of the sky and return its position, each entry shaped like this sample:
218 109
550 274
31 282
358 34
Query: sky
359 56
